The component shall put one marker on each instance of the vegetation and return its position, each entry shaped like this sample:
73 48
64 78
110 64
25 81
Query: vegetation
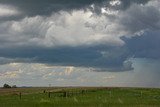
6 86
14 86
80 97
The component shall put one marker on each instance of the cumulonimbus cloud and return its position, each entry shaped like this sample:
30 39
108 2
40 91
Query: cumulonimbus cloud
98 37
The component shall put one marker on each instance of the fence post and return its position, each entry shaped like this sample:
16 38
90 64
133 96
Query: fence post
20 95
82 91
110 93
65 94
49 94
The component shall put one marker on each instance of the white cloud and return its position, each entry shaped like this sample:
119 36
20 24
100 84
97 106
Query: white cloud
146 73
7 10
115 2
79 27
11 74
69 70
109 11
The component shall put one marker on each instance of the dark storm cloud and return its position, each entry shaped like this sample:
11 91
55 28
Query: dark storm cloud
103 57
146 46
43 38
140 18
46 7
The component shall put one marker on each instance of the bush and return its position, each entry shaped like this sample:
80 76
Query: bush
6 86
14 86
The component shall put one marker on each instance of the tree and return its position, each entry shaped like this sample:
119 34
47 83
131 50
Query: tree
14 86
6 86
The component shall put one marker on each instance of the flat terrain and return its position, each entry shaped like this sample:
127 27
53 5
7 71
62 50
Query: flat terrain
80 97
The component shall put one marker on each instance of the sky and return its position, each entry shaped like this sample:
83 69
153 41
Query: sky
80 43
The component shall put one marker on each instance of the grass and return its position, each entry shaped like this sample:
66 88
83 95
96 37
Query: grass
91 97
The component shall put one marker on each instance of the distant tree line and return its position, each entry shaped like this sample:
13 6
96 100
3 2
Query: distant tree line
8 86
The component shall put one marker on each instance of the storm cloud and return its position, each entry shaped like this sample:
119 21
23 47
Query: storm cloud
46 7
94 33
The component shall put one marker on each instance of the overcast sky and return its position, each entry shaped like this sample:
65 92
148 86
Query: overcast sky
80 42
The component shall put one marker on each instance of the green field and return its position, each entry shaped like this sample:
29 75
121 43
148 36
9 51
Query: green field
80 97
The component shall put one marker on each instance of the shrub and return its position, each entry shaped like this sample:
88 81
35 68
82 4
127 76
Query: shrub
6 86
14 86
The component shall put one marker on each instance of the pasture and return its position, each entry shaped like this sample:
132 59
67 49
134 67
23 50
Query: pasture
80 97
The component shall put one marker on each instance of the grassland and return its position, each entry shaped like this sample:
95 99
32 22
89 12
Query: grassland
80 97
